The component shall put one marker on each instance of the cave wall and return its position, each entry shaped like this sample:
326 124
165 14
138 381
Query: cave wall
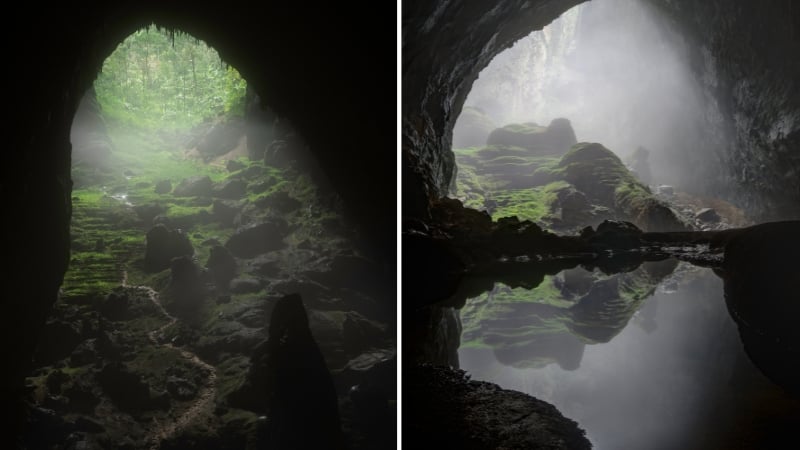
745 55
445 44
743 52
315 66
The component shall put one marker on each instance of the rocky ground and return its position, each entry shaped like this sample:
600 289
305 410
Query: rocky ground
452 411
181 248
545 175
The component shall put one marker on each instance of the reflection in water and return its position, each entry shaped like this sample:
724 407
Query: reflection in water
637 365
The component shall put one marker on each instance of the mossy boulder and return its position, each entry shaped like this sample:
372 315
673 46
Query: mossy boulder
555 139
600 174
472 128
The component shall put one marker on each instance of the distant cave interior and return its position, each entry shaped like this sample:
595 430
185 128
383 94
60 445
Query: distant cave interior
280 46
504 225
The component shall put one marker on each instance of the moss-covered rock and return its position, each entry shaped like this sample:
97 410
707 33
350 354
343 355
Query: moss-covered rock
553 321
600 174
554 139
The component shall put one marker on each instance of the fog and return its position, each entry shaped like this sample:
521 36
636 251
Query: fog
621 74
683 381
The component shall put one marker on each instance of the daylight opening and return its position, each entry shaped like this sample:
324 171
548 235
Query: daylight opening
196 211
594 117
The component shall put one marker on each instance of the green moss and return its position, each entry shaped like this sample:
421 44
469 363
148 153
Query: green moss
528 204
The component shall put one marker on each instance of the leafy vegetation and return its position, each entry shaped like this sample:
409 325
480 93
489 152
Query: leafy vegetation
158 79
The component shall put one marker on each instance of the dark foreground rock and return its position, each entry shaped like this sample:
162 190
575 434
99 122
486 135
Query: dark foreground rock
760 272
444 409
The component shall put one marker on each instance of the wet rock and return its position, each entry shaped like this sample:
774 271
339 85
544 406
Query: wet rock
445 408
708 215
255 239
196 186
230 189
163 187
163 244
222 265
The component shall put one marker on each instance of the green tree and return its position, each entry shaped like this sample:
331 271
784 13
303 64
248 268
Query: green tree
161 79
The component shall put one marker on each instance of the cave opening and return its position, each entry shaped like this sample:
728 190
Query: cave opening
556 263
612 72
209 257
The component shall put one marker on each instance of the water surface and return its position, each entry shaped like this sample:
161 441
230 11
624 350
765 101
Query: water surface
648 359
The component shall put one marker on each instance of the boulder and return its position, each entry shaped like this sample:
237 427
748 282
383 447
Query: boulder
163 244
222 265
555 139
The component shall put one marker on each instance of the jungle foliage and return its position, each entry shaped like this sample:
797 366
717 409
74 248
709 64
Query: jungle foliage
167 79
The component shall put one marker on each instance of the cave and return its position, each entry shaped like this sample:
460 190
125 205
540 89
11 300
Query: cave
528 299
308 67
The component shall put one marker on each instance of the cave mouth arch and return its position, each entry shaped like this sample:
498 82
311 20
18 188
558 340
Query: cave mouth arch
622 76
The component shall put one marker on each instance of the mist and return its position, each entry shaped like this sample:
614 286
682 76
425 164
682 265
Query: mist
620 74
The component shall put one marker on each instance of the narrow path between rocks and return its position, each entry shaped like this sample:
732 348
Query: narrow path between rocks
205 396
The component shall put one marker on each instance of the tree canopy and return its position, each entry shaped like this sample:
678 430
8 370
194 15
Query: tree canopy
167 79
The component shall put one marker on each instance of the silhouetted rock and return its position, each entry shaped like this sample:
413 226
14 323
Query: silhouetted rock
288 378
163 244
185 284
445 409
760 270
232 165
222 265
114 306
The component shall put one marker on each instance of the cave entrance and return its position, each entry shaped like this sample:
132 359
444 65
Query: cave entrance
194 210
611 72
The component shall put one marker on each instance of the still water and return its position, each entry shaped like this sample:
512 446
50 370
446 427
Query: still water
648 359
